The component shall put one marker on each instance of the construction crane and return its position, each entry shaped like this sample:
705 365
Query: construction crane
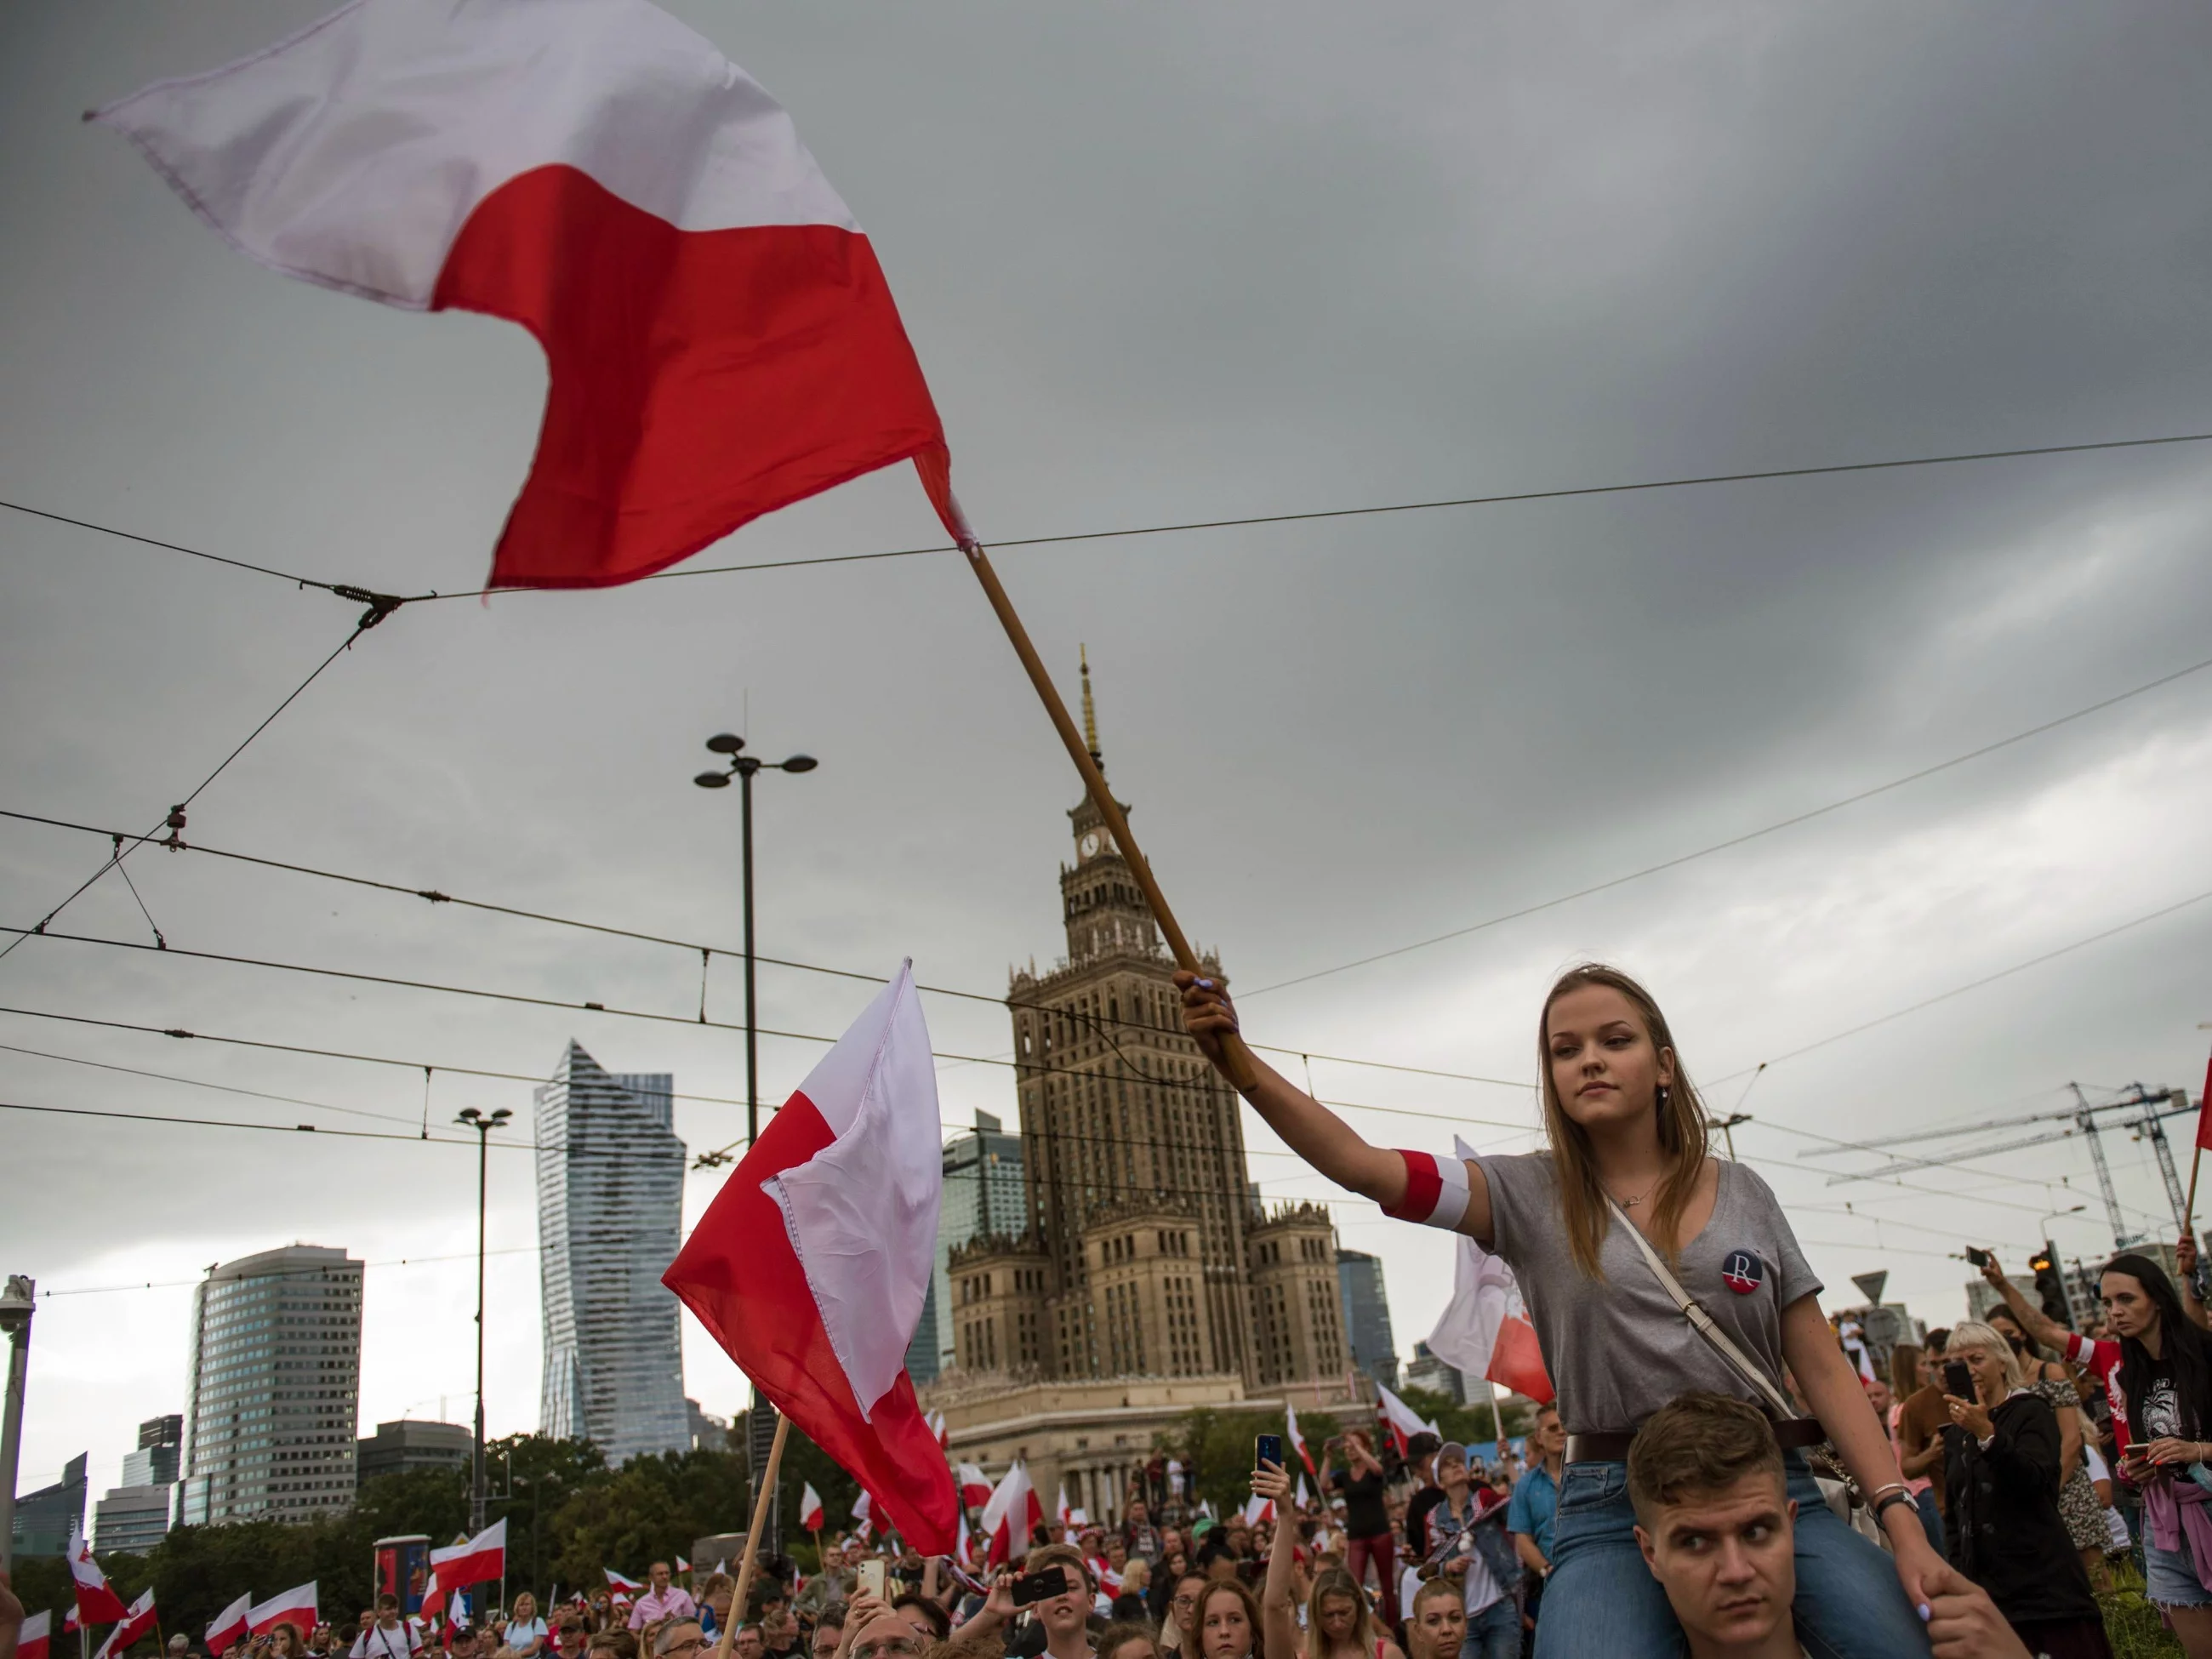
2138 1108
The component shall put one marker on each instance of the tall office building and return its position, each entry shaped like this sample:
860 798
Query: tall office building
984 1197
46 1520
1144 1250
412 1443
610 1211
274 1386
161 1448
1367 1315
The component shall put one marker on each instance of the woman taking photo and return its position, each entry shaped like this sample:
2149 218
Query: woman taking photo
2001 1473
1366 1514
1626 1191
1338 1622
2156 1367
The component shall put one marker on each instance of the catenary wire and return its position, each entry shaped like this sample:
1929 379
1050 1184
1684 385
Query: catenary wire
286 1272
121 852
1790 822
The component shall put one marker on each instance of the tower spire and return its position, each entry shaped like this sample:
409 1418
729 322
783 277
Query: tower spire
1090 712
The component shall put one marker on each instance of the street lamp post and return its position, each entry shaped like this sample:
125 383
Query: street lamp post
742 767
1727 1126
16 1304
471 1118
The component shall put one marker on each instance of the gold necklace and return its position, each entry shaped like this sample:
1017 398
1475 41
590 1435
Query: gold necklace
1630 1203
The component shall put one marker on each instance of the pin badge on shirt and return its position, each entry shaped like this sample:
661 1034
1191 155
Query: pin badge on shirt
1742 1272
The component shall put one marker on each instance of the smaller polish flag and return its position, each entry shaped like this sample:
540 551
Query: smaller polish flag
96 1603
1400 1420
1304 1499
975 1486
294 1607
1011 1516
681 1566
229 1627
1060 1512
33 1635
1298 1441
137 1622
964 1543
936 1422
625 1589
809 1509
2204 1110
1258 1510
864 1517
1484 1330
70 1625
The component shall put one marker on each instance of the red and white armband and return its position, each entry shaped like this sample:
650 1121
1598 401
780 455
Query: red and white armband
1435 1191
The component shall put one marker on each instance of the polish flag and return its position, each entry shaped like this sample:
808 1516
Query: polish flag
810 1266
1400 1420
294 1607
1298 1441
936 1421
137 1622
681 1566
1060 1512
1484 1330
1258 1510
34 1636
69 1625
96 1603
721 339
478 1561
975 1486
2204 1110
624 1588
963 1548
1303 1496
809 1509
1010 1518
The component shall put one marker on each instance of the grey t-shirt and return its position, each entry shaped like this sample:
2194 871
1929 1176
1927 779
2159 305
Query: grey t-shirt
1617 1349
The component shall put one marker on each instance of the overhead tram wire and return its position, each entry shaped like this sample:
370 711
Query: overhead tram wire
281 1272
380 606
1249 521
1790 822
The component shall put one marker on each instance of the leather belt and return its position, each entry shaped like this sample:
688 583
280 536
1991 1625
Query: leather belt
1610 1447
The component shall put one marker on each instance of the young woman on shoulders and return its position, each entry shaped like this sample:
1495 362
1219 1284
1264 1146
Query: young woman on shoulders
1628 1166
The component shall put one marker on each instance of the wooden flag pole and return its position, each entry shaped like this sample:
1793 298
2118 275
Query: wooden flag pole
2189 1209
1239 1063
761 1501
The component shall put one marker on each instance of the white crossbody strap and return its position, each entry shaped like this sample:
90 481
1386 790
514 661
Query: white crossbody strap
1703 1322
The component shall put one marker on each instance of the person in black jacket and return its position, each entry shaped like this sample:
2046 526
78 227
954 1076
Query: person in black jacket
2001 1478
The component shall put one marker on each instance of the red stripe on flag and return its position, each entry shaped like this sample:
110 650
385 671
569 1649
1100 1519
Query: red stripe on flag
699 378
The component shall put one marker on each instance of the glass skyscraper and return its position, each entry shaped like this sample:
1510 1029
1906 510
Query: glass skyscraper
984 1195
275 1385
1367 1315
610 1211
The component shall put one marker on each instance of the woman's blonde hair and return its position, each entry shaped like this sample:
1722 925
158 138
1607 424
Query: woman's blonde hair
1973 1334
1682 1132
1334 1583
520 1596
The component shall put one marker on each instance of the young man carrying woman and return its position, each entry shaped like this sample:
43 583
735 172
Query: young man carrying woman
1628 1190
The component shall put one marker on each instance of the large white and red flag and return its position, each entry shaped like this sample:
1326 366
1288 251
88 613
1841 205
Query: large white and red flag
34 1636
809 1509
294 1607
624 1588
476 1561
96 1602
1298 1441
1258 1511
1484 1330
810 1266
721 339
228 1626
1009 1519
137 1620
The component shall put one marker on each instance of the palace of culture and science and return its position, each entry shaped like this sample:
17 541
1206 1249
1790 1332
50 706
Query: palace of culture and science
1148 1280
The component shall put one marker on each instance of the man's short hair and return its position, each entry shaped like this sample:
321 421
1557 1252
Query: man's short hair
831 1617
668 1633
387 1602
932 1613
1421 1445
1547 1408
1699 1442
1938 1339
1062 1555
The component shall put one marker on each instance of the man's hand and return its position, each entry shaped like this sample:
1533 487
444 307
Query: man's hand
1963 1623
1992 1272
2184 1257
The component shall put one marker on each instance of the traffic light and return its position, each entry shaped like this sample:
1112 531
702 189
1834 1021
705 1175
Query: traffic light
2049 1287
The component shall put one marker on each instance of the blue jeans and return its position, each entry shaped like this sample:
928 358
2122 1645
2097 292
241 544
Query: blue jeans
1931 1519
1495 1632
1602 1599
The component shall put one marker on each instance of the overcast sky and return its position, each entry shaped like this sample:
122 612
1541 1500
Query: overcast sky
1160 263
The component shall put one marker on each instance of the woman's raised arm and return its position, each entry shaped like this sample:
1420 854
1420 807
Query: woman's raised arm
1316 1134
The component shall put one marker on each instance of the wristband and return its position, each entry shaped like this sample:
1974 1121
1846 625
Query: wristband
1892 1501
1435 1191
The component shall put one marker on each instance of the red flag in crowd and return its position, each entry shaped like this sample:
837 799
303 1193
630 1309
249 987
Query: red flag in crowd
936 1421
1298 1441
294 1607
229 1627
137 1622
2204 1110
809 1509
96 1603
721 338
1399 1421
810 1266
1011 1516
34 1636
975 1486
